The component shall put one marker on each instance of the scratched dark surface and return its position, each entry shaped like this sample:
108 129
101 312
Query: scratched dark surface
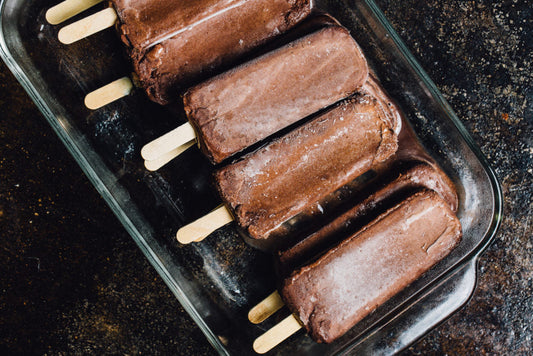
72 281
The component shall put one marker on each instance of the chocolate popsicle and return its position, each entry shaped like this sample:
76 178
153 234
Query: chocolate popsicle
174 43
394 186
247 104
291 174
338 290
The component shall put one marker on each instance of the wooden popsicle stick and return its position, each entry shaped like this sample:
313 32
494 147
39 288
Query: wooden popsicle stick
182 135
266 308
277 334
87 26
108 93
203 227
67 9
167 157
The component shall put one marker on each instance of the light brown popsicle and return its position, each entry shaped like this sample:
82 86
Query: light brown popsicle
249 103
290 175
332 294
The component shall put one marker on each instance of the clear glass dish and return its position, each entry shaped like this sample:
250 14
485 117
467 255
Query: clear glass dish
218 280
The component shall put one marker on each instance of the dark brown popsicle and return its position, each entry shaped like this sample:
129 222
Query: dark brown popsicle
174 43
291 175
338 290
247 104
395 185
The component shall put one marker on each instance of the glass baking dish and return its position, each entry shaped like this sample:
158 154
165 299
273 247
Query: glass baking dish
219 279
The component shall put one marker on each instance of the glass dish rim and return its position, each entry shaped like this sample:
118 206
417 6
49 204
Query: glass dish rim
74 149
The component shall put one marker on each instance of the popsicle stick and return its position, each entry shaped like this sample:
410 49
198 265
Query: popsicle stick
167 157
67 9
87 26
107 94
266 308
277 334
203 227
182 135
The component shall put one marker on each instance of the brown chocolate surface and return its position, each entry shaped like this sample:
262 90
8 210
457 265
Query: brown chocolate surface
144 23
395 185
176 43
334 293
255 100
291 175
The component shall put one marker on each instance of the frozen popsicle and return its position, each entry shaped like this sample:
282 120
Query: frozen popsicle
249 103
175 43
292 174
332 294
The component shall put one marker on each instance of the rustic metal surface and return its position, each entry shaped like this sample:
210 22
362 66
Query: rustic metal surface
73 281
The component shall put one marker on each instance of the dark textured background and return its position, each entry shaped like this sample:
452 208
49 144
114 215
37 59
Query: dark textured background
73 281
